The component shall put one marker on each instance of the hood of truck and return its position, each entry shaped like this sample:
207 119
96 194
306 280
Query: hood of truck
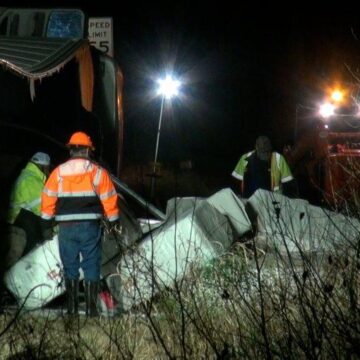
36 58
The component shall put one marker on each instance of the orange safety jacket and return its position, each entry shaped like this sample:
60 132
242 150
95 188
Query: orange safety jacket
79 190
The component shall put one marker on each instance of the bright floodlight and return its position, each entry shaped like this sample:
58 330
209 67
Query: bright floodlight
326 110
168 87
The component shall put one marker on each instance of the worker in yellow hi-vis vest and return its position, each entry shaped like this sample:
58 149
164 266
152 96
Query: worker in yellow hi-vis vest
25 223
265 169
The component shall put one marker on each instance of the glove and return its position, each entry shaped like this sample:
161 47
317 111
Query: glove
113 227
48 234
47 229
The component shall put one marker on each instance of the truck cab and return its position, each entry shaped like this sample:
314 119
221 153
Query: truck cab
326 159
52 83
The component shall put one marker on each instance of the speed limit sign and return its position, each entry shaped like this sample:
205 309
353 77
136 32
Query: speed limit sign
101 34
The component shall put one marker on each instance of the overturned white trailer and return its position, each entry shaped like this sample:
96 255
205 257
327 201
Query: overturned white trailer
194 231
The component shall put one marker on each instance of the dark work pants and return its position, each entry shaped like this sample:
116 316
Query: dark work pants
80 237
31 223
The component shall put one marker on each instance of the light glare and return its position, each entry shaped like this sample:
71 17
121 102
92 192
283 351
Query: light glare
337 96
326 110
168 87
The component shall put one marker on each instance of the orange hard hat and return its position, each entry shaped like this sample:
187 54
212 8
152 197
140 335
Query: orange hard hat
80 139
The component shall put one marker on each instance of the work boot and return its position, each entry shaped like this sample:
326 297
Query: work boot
91 298
72 292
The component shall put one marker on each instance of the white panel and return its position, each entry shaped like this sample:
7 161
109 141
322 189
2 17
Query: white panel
36 278
198 235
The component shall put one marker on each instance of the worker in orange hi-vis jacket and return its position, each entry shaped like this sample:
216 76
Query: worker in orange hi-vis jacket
77 195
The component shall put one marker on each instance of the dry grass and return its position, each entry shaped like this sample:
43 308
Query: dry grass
247 304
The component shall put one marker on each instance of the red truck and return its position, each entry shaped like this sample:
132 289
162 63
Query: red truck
326 159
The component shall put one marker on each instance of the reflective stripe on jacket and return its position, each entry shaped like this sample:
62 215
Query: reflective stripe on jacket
79 190
280 170
26 192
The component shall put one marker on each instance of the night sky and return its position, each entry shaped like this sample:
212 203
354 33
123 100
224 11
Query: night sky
243 70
